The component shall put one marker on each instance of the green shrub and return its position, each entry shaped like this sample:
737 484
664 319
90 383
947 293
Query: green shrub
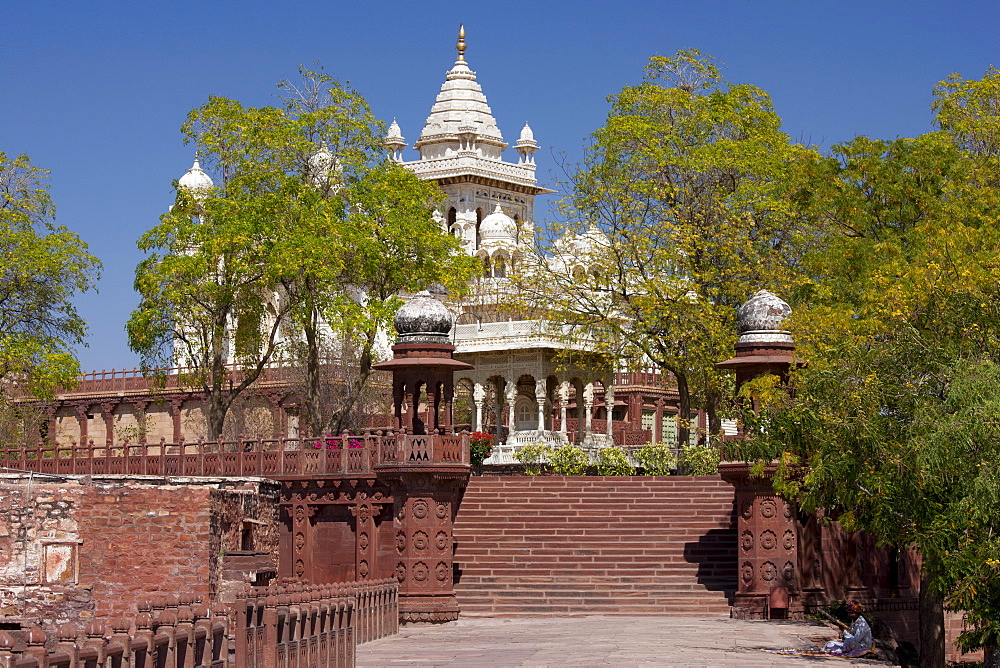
614 461
569 459
701 460
656 459
533 457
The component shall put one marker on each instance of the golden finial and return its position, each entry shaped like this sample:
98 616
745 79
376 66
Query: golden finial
461 43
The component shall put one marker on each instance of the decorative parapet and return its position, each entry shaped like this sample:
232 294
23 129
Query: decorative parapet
515 335
348 455
452 167
421 450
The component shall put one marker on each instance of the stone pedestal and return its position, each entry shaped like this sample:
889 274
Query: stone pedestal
768 573
425 503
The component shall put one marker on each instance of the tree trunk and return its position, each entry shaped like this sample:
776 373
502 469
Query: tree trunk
991 656
684 402
314 414
931 607
712 400
217 407
340 417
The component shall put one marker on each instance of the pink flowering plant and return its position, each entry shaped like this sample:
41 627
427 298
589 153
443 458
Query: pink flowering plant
331 442
480 446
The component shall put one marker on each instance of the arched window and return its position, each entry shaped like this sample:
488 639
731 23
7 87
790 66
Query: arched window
499 268
452 219
486 267
525 414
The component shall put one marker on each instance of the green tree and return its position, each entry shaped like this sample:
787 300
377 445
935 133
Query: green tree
343 271
681 211
296 255
42 267
894 423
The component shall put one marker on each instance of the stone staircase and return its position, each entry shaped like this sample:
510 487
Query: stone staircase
596 545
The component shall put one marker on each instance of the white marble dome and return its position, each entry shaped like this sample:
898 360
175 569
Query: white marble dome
498 227
196 181
760 318
592 241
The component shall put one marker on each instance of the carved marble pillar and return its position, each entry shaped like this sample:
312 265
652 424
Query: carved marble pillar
478 397
498 407
511 395
609 406
563 403
540 396
588 405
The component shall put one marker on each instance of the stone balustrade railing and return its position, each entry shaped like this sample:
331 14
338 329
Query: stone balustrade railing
313 625
168 632
345 454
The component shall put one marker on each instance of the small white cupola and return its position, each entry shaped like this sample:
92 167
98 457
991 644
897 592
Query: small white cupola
394 142
526 146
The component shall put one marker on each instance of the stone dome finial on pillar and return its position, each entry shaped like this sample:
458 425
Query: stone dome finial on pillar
759 320
422 361
526 145
394 142
763 346
423 319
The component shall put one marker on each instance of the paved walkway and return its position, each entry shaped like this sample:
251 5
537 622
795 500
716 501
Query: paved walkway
600 641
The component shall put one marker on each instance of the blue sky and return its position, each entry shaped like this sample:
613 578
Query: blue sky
96 91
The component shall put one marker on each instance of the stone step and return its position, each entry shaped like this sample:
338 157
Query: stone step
592 545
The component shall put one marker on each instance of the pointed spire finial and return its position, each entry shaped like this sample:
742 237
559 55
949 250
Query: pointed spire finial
461 43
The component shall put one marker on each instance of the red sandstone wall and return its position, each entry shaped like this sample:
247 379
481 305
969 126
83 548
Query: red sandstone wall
140 541
39 552
72 550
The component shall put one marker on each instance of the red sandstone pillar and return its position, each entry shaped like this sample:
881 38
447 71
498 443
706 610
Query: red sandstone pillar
767 539
425 504
81 417
108 409
766 524
175 414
